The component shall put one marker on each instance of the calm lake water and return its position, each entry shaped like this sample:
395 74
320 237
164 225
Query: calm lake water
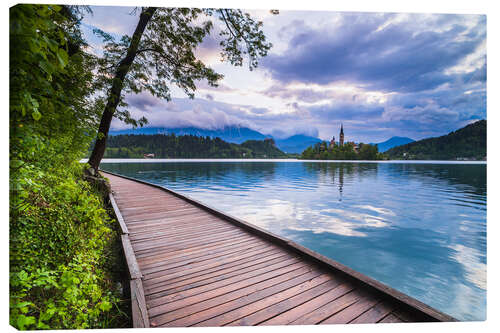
419 228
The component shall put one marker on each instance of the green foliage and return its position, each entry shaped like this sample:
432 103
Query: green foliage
60 234
188 146
59 241
321 151
468 142
45 61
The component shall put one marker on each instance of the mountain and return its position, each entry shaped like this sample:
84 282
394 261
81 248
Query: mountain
392 142
232 134
228 133
467 143
296 143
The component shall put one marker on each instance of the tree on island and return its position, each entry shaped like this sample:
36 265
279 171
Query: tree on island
321 151
161 52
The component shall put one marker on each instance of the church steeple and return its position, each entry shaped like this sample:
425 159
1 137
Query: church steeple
341 137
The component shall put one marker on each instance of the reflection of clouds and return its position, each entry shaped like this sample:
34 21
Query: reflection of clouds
339 227
467 303
286 215
379 210
469 258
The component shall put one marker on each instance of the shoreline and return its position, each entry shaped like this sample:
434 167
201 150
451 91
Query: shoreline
289 160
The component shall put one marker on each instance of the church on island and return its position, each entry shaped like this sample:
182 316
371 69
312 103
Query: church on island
341 141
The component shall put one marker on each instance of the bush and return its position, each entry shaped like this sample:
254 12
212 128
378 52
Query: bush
59 237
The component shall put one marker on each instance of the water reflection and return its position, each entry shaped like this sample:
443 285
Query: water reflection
420 228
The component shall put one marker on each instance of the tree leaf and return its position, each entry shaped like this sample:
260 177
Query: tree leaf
23 321
62 56
36 115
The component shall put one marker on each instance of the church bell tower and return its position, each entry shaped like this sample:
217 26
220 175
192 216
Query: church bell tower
341 138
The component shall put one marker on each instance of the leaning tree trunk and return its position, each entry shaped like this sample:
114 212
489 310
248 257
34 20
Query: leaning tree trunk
116 89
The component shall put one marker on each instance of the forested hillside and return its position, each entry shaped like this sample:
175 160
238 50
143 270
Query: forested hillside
468 143
188 146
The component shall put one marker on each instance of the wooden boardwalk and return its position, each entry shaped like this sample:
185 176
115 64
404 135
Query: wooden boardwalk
194 266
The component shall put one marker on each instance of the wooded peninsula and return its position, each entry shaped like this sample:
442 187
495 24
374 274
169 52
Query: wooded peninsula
188 146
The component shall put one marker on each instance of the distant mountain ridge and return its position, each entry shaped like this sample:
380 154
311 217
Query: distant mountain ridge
296 143
228 134
293 144
392 142
467 143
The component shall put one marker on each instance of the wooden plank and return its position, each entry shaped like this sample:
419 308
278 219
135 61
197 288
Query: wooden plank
137 319
160 254
164 224
256 312
158 235
118 215
391 319
133 267
192 316
153 261
223 285
376 313
249 255
306 308
180 246
170 316
159 215
342 297
149 204
156 245
165 211
350 313
204 225
214 272
200 259
203 268
172 224
140 317
194 239
229 311
181 303
135 216
172 288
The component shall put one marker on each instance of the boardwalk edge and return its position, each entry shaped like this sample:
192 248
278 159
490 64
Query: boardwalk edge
140 318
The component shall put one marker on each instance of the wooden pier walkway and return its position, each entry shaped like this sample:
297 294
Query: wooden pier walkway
192 265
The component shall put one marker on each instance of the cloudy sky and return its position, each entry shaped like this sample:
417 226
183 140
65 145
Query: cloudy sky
380 74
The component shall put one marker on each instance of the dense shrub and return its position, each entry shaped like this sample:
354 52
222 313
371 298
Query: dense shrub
61 237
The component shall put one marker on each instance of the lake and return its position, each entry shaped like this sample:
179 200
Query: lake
417 227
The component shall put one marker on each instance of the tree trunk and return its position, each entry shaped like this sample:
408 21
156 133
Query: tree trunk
116 89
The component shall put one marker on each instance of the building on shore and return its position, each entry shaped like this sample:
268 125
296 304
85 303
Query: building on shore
332 143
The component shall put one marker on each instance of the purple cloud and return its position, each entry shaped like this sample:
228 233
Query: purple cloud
398 57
